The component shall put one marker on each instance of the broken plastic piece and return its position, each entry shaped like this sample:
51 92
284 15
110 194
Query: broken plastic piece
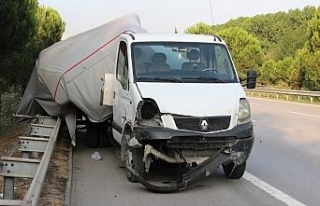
191 177
96 156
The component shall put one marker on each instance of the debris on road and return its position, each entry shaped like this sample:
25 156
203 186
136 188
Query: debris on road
96 156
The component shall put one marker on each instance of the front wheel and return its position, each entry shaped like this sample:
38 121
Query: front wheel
234 172
134 158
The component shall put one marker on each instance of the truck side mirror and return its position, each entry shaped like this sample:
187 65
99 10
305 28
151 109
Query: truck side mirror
251 79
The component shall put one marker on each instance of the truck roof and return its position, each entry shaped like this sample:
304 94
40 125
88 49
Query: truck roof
171 37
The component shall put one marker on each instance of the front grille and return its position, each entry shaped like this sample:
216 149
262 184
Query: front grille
198 123
200 143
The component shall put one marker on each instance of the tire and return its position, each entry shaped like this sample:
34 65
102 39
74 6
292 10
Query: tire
92 134
136 163
97 134
235 173
103 130
111 141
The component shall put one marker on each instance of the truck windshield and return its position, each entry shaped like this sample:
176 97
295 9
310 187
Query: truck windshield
181 62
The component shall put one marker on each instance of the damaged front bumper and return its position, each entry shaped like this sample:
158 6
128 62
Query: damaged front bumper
226 146
189 178
236 142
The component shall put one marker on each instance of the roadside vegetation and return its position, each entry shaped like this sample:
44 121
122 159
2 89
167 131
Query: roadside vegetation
26 29
283 47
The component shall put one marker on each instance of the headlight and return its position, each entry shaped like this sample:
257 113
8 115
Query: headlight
148 113
149 110
244 115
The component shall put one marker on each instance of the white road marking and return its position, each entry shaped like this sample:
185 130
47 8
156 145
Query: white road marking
274 192
307 115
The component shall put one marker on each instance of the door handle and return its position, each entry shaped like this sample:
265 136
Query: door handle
114 95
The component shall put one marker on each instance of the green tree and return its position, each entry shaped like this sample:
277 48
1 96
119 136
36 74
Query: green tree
268 72
18 23
308 59
200 28
245 49
313 45
281 34
285 68
26 29
313 33
51 27
49 30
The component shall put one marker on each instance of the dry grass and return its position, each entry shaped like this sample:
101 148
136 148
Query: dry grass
54 188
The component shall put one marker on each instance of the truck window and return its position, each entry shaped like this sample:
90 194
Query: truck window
122 66
182 62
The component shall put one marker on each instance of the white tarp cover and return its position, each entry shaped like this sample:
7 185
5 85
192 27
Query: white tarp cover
67 75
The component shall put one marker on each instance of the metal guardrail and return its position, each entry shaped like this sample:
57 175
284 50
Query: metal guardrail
287 93
41 138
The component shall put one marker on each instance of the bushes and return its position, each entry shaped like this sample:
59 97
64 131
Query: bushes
7 109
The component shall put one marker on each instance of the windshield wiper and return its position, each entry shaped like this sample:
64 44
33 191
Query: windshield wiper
206 79
168 79
159 79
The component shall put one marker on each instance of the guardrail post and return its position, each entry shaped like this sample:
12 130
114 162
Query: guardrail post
298 98
277 96
8 188
311 99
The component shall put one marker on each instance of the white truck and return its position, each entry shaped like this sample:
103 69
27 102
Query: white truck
178 99
171 98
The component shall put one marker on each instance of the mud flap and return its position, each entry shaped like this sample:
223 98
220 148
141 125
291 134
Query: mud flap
189 178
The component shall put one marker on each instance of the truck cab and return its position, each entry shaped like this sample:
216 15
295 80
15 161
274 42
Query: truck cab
178 99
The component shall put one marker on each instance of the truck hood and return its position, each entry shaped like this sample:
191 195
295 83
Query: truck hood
194 99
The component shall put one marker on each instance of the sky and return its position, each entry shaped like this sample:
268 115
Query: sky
164 15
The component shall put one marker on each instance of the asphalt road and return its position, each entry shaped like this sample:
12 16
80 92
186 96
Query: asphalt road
286 153
283 169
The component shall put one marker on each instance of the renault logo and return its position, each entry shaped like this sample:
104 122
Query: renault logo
204 125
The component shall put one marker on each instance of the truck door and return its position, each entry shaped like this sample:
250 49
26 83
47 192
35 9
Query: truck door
121 96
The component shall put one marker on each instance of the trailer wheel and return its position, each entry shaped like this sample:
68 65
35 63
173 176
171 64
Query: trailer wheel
134 158
234 172
103 134
97 134
92 134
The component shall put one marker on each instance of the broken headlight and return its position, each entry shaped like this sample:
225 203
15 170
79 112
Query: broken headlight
148 113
